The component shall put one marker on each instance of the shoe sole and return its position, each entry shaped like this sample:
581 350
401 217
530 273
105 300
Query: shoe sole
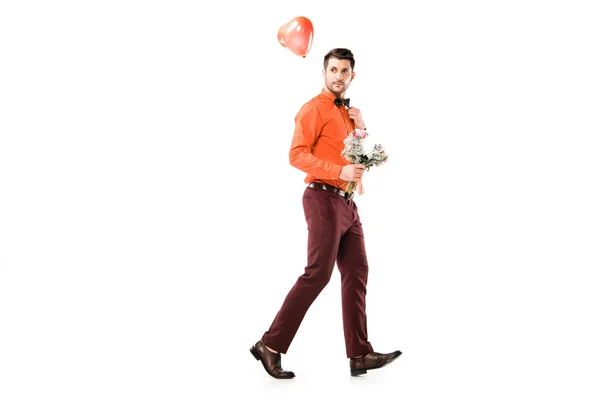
358 372
258 358
362 371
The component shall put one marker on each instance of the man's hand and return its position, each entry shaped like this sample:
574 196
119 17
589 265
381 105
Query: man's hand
351 172
356 116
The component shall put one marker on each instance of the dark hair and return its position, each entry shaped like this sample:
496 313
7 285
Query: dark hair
340 54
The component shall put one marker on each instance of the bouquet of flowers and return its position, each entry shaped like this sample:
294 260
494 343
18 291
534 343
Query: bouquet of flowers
355 152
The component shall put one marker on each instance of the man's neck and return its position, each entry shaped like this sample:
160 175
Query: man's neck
341 95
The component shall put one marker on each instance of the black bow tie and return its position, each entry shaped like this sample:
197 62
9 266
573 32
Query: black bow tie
338 102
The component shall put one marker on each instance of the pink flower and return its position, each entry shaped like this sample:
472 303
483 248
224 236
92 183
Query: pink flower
360 134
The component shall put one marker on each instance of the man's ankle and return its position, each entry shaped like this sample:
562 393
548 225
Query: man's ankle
271 350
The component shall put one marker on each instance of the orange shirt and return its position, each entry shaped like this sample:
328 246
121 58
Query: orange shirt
318 141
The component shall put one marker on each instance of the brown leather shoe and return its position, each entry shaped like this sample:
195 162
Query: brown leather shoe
271 361
360 365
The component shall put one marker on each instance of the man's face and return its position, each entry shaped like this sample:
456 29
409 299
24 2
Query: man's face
338 76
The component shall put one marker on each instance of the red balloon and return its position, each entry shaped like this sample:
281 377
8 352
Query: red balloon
297 35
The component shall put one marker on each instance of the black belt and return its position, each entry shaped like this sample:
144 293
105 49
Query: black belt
333 189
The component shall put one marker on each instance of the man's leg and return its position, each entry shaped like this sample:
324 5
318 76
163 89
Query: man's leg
354 269
353 266
324 231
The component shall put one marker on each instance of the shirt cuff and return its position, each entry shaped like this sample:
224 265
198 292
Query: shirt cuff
336 170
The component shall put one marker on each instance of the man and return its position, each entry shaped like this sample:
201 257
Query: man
334 228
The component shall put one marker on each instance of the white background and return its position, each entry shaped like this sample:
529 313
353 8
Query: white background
151 225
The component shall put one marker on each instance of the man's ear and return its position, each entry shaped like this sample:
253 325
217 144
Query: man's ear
353 73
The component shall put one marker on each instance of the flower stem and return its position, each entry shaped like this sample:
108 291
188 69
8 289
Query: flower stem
350 187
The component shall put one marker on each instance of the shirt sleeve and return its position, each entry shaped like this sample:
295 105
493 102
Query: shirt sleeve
307 131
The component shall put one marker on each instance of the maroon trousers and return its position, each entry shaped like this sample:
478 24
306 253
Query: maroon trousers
334 235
